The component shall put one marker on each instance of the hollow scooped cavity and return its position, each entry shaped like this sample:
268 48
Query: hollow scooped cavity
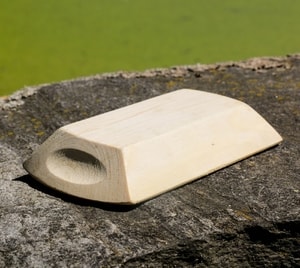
76 166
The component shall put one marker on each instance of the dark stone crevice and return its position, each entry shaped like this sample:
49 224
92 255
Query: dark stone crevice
276 245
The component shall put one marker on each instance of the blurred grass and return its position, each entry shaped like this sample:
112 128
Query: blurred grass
45 41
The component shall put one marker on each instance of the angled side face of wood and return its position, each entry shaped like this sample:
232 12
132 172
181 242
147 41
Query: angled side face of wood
137 152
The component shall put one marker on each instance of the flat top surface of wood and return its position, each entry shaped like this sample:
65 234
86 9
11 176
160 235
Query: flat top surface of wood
152 117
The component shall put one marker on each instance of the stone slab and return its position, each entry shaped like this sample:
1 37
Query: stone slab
245 215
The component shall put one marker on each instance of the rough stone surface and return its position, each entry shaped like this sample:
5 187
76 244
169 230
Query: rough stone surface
245 215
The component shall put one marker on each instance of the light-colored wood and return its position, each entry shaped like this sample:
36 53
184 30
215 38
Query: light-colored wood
137 152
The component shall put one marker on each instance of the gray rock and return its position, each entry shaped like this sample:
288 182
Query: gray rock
245 215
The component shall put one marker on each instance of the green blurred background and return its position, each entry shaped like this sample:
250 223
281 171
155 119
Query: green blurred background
49 40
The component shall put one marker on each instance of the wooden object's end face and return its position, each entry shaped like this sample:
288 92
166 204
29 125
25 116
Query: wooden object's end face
80 168
137 152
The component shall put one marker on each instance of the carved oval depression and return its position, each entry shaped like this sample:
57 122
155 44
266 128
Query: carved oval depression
76 166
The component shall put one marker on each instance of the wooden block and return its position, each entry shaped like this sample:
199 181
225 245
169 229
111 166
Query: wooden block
140 151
